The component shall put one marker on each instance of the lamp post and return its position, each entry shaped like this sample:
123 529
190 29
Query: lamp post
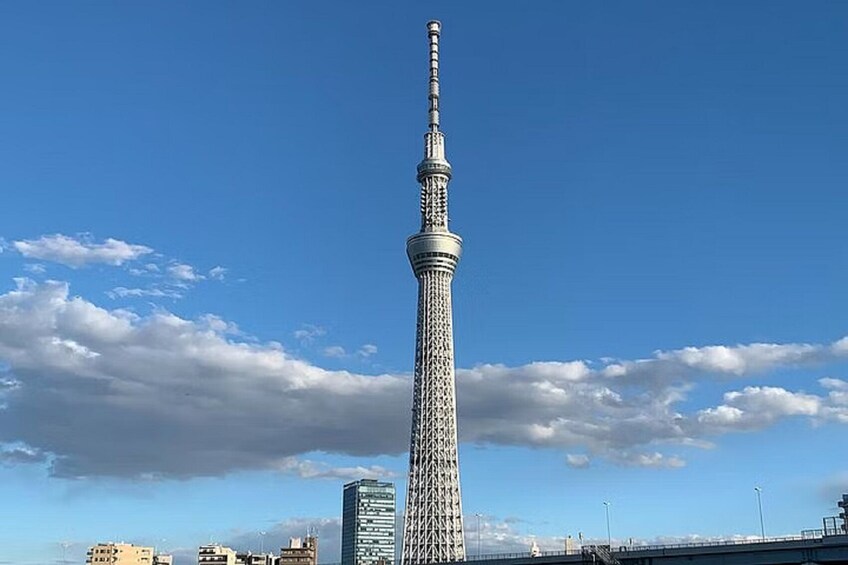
760 506
478 515
162 550
609 535
262 542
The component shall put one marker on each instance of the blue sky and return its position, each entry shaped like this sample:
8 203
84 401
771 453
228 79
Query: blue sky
205 300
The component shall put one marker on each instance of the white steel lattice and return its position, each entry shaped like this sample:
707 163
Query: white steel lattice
433 529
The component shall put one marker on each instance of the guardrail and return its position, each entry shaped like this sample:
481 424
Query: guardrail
720 543
804 536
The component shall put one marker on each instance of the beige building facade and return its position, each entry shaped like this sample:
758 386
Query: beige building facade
119 554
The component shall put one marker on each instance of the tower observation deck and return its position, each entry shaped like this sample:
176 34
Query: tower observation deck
433 529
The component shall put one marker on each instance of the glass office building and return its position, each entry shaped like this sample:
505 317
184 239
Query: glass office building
368 523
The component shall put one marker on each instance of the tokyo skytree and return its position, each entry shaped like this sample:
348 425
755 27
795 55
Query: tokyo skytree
432 528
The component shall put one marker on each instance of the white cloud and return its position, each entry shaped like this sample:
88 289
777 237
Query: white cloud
838 399
35 268
757 407
197 398
309 333
306 469
18 454
219 325
835 384
187 399
625 411
721 416
367 350
334 351
577 461
774 401
123 292
184 273
654 460
80 251
74 348
146 270
733 361
218 273
170 280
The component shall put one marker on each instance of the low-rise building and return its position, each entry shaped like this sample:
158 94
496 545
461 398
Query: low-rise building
301 551
119 554
215 554
256 559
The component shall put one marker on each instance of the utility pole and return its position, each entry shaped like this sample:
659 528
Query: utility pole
478 515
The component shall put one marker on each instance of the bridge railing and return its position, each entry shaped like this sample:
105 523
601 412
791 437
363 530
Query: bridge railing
719 543
805 535
516 555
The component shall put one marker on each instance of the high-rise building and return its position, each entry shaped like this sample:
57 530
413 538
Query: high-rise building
300 552
215 554
119 554
843 504
433 530
368 523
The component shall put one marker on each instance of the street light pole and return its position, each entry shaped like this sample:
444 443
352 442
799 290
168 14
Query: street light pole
162 550
760 506
262 543
478 515
609 535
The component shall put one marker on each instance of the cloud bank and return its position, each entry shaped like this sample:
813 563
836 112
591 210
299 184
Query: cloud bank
111 393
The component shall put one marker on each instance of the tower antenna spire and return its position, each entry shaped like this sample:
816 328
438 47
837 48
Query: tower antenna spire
434 30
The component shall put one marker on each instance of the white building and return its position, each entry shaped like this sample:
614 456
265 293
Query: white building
214 554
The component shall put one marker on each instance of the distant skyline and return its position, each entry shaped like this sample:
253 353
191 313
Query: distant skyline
650 309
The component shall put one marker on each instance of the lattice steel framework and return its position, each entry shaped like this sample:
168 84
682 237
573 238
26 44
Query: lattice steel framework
432 529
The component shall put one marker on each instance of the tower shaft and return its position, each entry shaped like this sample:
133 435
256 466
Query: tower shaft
433 529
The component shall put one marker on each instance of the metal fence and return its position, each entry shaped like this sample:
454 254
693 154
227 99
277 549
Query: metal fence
804 535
